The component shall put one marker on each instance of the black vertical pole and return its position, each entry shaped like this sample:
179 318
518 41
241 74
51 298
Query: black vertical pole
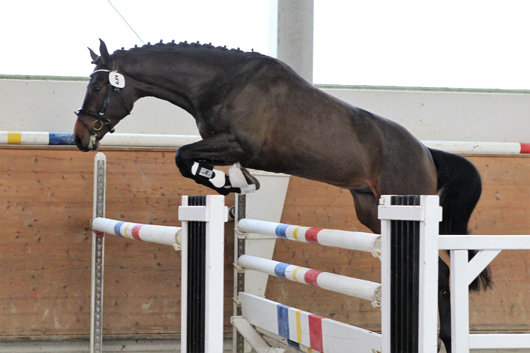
196 309
405 254
238 339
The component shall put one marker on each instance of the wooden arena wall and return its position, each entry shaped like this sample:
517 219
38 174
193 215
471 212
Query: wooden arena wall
45 245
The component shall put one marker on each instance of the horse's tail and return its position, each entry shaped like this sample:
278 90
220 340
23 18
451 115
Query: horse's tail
460 186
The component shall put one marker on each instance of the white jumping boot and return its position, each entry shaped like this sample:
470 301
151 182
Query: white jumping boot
238 180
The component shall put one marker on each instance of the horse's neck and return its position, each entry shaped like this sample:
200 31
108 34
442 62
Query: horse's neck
182 81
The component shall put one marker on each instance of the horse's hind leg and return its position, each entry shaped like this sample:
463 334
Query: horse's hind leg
444 304
366 208
196 161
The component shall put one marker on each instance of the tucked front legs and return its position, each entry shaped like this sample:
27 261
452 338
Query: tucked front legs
238 180
197 160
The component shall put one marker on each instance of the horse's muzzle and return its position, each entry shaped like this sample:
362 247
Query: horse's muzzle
89 143
86 139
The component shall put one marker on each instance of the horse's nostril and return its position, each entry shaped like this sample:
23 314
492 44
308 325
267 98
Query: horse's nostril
79 144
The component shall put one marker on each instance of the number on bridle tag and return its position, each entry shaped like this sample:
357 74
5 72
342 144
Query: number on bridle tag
116 79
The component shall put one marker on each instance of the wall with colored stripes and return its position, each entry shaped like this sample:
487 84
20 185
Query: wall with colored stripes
36 138
167 140
41 105
29 138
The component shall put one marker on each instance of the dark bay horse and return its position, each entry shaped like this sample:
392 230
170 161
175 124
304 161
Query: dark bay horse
255 110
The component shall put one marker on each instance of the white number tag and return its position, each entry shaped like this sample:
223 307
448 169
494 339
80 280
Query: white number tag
116 79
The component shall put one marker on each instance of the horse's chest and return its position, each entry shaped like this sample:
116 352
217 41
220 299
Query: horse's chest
208 128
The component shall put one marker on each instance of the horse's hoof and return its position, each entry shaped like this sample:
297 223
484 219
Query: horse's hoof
241 179
251 179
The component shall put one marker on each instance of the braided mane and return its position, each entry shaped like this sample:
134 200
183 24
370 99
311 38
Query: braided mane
161 46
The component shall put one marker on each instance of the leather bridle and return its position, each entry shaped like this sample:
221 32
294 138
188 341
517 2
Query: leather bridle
100 119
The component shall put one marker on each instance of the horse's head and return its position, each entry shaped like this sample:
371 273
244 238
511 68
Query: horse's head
108 100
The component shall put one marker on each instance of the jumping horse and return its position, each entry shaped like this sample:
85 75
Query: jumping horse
255 111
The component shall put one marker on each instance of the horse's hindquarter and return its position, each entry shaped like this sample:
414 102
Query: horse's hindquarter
407 167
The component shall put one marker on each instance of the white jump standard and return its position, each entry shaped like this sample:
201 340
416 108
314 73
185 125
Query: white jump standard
407 267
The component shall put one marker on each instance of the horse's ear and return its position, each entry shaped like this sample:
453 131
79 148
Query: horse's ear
105 57
93 55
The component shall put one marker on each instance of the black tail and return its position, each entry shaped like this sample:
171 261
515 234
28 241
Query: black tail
460 187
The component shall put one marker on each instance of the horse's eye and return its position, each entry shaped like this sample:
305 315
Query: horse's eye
97 89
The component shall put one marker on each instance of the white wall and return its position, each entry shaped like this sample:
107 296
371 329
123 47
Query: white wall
457 116
40 105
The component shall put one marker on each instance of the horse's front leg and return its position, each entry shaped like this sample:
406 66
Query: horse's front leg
196 161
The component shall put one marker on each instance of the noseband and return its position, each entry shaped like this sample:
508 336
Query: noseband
116 83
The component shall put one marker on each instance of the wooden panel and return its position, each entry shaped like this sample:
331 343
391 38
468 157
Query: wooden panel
45 247
504 208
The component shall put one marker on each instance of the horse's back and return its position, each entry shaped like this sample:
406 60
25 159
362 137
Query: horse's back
290 126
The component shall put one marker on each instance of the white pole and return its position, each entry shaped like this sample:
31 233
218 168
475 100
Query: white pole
295 35
217 216
328 237
164 235
164 140
386 316
184 283
428 286
459 301
337 283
